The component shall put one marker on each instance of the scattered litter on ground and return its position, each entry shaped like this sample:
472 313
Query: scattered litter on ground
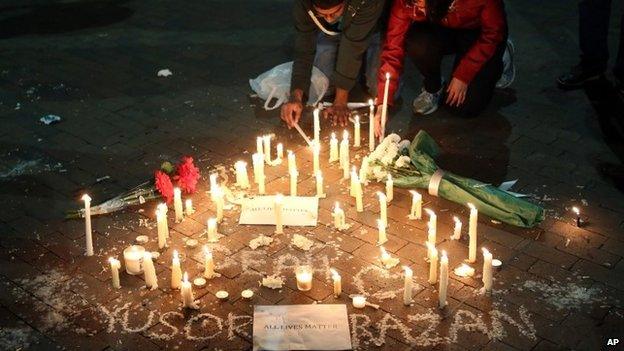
49 119
165 72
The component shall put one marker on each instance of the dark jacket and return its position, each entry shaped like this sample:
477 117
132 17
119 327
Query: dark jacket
360 20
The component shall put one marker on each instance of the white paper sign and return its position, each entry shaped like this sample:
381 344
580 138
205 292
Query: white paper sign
296 211
301 327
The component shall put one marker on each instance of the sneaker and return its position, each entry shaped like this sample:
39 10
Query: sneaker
426 102
509 67
577 77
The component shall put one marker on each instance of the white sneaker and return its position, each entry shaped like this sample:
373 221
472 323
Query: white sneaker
509 68
427 103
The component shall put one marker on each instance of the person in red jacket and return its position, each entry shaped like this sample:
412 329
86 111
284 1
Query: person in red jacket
427 30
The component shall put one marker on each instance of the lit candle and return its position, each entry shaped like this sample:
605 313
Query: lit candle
279 201
259 146
364 170
292 162
212 230
88 232
162 207
304 278
316 154
472 233
333 148
433 266
384 257
381 227
162 226
133 257
261 185
431 234
188 207
352 183
176 271
457 229
577 212
339 217
384 107
293 183
337 282
280 152
383 208
407 286
267 148
487 270
177 204
359 301
371 126
317 126
359 193
208 264
242 179
389 188
430 248
320 193
115 265
219 203
344 155
151 281
416 211
258 169
433 223
356 131
186 292
443 280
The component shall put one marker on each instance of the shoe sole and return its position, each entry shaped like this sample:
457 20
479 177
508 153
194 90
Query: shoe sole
427 112
512 49
566 86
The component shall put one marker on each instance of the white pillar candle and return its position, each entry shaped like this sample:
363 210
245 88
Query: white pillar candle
317 126
279 202
219 203
359 301
371 125
212 230
359 194
381 228
316 154
431 235
259 146
339 217
88 232
188 207
444 276
304 278
213 185
133 258
333 148
384 256
293 183
149 271
352 182
320 192
383 208
280 152
242 179
389 188
161 224
430 248
457 229
364 170
433 222
433 266
416 210
292 162
356 131
337 282
261 185
162 207
487 270
176 271
344 155
472 233
384 107
177 205
208 264
267 148
115 265
407 285
186 293
258 168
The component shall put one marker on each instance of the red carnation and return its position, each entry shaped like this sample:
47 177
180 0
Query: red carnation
187 175
164 185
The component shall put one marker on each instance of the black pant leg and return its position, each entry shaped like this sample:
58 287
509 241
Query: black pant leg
593 32
618 68
424 45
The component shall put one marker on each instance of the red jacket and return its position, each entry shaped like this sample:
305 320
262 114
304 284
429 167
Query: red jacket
470 14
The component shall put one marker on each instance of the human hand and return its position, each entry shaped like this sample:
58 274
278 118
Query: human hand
377 122
338 113
456 92
291 111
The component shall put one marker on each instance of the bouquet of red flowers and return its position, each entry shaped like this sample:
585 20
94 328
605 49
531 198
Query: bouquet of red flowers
185 175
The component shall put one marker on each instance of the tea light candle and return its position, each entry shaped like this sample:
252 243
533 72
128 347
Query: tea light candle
279 202
186 292
176 271
344 155
293 183
151 280
358 301
381 228
316 154
433 266
356 131
317 126
337 282
247 294
333 148
407 285
115 265
383 208
267 148
88 232
188 207
212 230
191 243
213 185
339 217
280 152
177 204
222 294
472 233
304 278
200 282
457 229
208 264
416 210
242 179
487 270
389 188
133 257
292 162
320 193
219 203
371 125
443 280
141 239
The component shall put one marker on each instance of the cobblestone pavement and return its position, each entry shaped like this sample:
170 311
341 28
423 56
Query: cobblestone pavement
95 64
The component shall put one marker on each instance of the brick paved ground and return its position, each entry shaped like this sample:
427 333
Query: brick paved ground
95 64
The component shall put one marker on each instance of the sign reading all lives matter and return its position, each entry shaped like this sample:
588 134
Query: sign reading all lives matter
301 327
296 211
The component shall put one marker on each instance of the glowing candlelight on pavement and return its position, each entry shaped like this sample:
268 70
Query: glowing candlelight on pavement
304 278
337 282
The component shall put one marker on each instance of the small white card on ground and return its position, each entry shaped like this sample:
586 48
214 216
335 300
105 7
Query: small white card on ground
296 211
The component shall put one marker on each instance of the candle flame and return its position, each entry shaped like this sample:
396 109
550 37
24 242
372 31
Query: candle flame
456 220
279 198
345 134
357 118
337 206
485 251
472 207
407 270
207 252
86 198
290 153
576 210
370 102
334 273
175 255
430 212
444 257
387 75
185 279
383 251
212 222
333 136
